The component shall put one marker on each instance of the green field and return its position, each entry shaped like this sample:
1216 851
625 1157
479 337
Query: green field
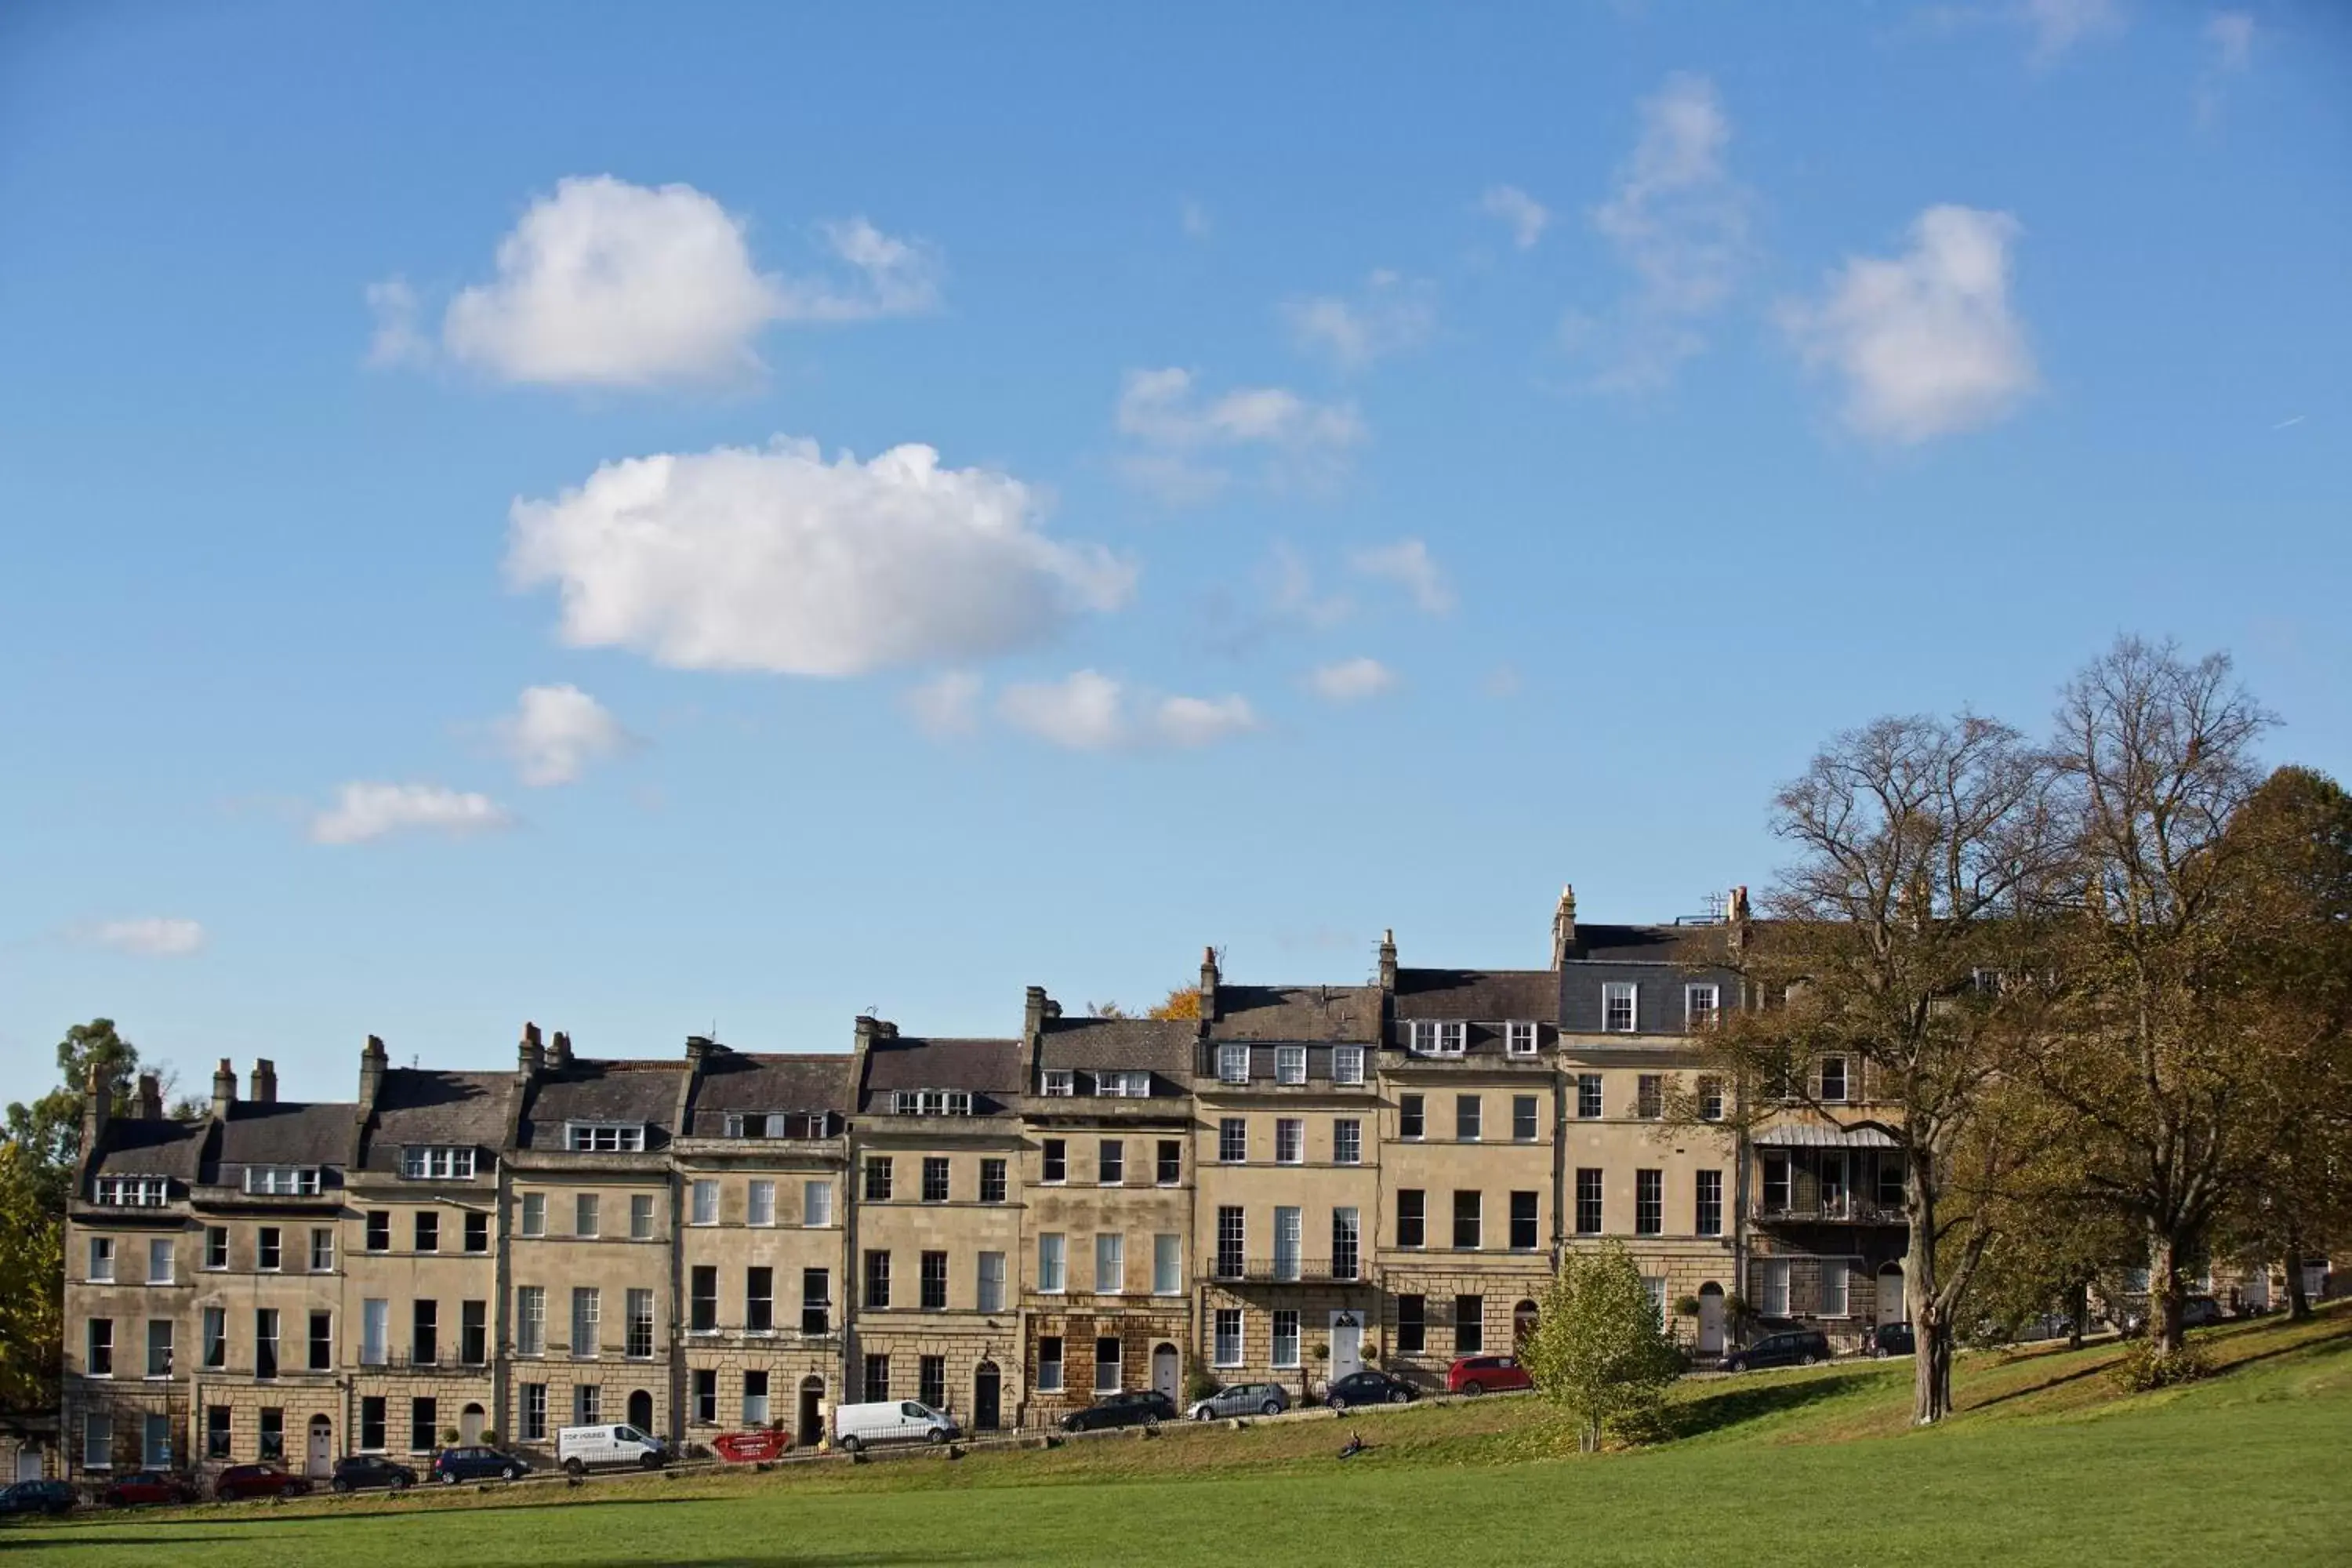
2044 1464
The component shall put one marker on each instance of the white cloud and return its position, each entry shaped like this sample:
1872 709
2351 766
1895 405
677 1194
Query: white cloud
1090 711
148 936
1408 564
395 340
947 704
1351 681
363 811
605 283
1525 216
556 732
1175 429
1679 222
2057 25
1928 343
772 559
1201 721
1391 315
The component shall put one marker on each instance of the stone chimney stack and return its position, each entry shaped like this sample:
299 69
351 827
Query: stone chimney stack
698 1048
1736 913
559 1051
96 1108
151 1097
1388 961
371 1063
223 1088
1208 988
1033 1015
264 1081
530 1054
1563 929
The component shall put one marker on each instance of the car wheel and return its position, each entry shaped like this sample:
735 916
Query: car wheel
399 1483
574 1468
512 1472
1474 1388
1807 1360
1337 1404
1072 1424
343 1486
849 1444
1271 1407
935 1435
1397 1396
1734 1364
446 1478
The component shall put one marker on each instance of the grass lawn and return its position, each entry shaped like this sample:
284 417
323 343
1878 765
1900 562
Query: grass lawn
2043 1464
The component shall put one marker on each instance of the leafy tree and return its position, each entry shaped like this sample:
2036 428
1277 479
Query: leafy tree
1183 1003
50 1129
32 1283
1599 1347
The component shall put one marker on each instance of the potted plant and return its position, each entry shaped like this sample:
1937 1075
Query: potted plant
1686 1306
450 1438
490 1437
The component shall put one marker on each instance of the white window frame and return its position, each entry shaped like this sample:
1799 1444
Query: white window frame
1772 1291
587 1321
1168 1264
1613 992
1110 1263
1051 1378
132 1192
604 1137
101 1260
375 1330
816 1205
1233 1063
1452 1037
1341 1152
1347 1064
1286 1355
1844 1080
1052 1263
282 1180
436 1163
705 1199
534 1214
1060 1083
1123 1084
1519 1037
989 1292
322 1249
1296 1127
1289 1241
641 1216
1290 1064
760 1201
1702 1014
1224 1350
531 1320
1841 1270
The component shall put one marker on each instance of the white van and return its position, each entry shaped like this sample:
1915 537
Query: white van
577 1447
890 1421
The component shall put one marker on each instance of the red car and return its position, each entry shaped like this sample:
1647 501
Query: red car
149 1487
1476 1375
257 1481
751 1447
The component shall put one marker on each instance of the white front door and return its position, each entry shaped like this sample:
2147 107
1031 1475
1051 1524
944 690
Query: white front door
1890 1295
2255 1292
28 1464
1163 1370
1347 1345
323 1448
1710 1321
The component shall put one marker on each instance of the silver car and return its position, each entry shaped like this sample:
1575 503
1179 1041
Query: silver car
1243 1399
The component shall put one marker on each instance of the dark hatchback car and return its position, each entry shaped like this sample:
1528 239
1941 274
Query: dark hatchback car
38 1496
2200 1311
141 1487
1803 1347
1893 1339
257 1481
477 1462
1135 1407
1367 1388
362 1472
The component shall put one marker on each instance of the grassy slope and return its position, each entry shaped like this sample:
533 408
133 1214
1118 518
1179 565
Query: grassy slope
2044 1465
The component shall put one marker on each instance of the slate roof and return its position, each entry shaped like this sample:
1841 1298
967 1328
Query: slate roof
618 1091
425 1106
1297 1013
134 1148
1691 944
989 1070
1103 1045
745 1080
285 1133
1488 995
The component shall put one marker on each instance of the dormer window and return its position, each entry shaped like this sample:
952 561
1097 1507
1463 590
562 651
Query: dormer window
1232 1064
779 1123
132 1192
1433 1037
1519 1038
437 1162
1123 1084
1620 1009
1060 1083
605 1137
1347 1064
930 1103
1290 1064
283 1181
1702 1005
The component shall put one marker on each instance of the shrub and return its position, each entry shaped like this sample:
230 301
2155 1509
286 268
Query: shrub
489 1437
450 1438
1599 1347
1686 1306
1200 1382
2143 1368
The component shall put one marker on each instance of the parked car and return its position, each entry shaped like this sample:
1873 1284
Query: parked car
578 1448
148 1487
1367 1387
38 1496
477 1462
363 1472
1130 1407
1801 1347
1893 1339
2200 1311
264 1480
856 1426
755 1446
1476 1375
1243 1399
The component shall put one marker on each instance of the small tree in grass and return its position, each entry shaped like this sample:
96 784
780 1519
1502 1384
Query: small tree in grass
1599 1347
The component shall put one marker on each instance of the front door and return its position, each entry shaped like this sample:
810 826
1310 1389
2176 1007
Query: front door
323 1448
987 1396
1890 1295
811 1422
470 1422
1710 1318
28 1464
1347 1345
1164 1364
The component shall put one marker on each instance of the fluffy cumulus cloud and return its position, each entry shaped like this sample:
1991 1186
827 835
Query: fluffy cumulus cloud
365 811
1927 342
148 936
604 283
774 559
1090 711
1525 216
1179 439
1392 314
1408 565
556 732
1351 681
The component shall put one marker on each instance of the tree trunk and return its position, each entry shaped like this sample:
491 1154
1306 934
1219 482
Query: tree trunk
2078 1313
2298 1302
1931 1331
2164 1295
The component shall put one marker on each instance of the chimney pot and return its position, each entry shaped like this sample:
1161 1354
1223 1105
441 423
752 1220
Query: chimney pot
530 1054
96 1108
224 1088
1033 1012
1389 961
372 1065
264 1081
559 1051
1563 928
151 1097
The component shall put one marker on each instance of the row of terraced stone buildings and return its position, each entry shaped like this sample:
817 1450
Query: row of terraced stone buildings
1305 1180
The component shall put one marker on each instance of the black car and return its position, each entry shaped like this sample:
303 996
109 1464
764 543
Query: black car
1135 1407
38 1496
1367 1388
1893 1339
477 1462
359 1472
1803 1347
2200 1311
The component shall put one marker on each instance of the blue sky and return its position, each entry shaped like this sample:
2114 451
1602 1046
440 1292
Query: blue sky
463 560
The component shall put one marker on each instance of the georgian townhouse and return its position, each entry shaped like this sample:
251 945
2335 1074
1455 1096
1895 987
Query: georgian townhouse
1469 1213
935 1224
763 1160
1106 1171
1287 1180
592 1262
423 1254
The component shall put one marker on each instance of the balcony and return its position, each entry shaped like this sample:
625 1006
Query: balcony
1826 1210
1289 1271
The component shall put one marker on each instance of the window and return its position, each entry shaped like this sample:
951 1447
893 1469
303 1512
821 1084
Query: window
1710 1098
1232 1064
1649 1096
1523 1222
639 1345
1519 1038
1110 1162
1587 1201
216 1428
877 1379
1588 1094
606 1138
1346 1142
101 1259
932 1281
425 1336
423 1434
428 1231
878 1278
1833 1287
1290 1064
1409 1224
1773 1287
816 1204
759 1203
1347 1238
587 1309
1226 1347
477 1233
268 1247
1123 1084
215 1330
584 1219
989 1294
159 1347
1058 1084
1523 1118
155 1448
265 1342
1889 1186
1110 1263
534 1413
1833 1080
1286 1337
1049 1364
1700 1005
1467 1117
1347 1064
375 1330
1287 1229
132 1192
1167 1265
1431 1038
534 1214
816 1301
1776 1183
991 1180
1619 1007
704 1207
1232 1235
161 1255
1107 1364
1233 1139
930 1103
282 1180
706 1396
1469 1324
322 1339
931 1380
438 1164
1408 1116
1412 1325
273 1432
1707 1215
935 1178
1049 1263
531 1320
1649 1202
1467 1221
587 1404
1289 1141
98 1440
1054 1160
1170 1168
216 1247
